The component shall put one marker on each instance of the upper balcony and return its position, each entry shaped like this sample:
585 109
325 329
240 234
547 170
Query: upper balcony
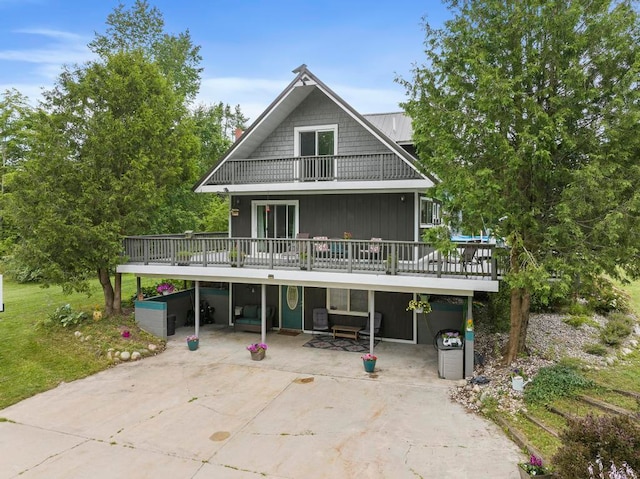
473 261
338 168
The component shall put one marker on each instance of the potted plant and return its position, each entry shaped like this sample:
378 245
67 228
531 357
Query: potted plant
533 468
303 260
391 264
347 235
183 258
257 351
193 342
420 305
236 258
369 362
165 288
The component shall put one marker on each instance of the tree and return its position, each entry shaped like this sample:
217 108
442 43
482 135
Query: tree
15 115
185 210
142 28
528 111
112 139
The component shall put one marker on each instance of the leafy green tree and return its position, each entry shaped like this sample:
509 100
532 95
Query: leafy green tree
142 28
15 114
528 111
185 210
112 140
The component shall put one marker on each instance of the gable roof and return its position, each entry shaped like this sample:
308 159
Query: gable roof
289 99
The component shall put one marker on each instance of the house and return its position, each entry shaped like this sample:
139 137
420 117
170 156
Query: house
327 210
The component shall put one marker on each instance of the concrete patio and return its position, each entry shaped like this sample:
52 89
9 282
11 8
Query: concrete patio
301 412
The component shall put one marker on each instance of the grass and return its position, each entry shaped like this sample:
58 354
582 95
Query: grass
35 357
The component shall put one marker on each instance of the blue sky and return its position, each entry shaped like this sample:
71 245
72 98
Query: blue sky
248 47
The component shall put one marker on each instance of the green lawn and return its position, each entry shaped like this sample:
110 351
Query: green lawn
34 357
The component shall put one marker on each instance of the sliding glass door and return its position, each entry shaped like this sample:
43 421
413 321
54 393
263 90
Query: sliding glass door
275 219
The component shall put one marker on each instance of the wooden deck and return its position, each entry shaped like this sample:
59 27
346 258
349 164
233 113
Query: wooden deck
468 260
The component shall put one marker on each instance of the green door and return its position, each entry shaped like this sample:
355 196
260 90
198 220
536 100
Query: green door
291 307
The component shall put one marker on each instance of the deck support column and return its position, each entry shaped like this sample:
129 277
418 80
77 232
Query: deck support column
372 318
196 287
469 353
263 312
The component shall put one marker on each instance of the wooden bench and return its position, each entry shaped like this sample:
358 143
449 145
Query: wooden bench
345 331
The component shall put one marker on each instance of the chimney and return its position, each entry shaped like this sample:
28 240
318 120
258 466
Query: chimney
238 133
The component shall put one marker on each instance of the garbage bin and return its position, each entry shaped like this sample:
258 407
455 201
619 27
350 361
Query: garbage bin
450 359
171 324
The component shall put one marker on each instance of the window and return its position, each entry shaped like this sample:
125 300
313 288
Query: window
312 143
275 219
429 212
354 301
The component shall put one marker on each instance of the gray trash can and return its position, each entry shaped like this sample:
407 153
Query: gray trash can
450 360
171 324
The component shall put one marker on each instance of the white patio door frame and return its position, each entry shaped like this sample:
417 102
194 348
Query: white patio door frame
255 217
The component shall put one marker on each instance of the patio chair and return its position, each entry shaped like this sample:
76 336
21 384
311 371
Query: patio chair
373 251
321 319
321 246
294 249
377 321
468 258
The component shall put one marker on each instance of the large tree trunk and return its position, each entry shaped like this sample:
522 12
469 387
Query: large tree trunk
117 296
107 289
520 305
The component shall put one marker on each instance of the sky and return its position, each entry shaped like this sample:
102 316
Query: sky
249 48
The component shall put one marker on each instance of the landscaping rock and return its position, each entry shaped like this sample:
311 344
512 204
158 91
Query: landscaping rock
625 351
136 355
77 334
125 355
152 347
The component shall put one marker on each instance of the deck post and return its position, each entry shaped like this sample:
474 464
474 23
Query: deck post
372 318
263 310
197 307
469 354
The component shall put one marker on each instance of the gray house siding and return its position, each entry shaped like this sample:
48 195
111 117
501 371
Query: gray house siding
317 109
379 215
397 323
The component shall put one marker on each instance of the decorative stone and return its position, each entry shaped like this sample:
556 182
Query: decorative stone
110 355
125 355
610 361
152 347
476 388
626 351
77 334
87 338
633 343
116 354
136 355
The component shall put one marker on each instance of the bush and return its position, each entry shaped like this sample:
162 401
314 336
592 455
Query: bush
559 380
576 321
596 349
603 297
618 327
65 316
612 438
499 309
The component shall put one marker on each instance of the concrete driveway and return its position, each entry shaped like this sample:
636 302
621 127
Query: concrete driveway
301 412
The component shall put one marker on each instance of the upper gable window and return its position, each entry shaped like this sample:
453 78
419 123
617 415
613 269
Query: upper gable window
321 140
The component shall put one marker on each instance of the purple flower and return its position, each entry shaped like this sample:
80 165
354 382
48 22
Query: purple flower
254 348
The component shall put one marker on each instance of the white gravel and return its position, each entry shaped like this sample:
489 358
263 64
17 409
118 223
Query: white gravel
549 339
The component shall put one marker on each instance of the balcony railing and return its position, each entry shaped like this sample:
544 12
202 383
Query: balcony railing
370 167
469 260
